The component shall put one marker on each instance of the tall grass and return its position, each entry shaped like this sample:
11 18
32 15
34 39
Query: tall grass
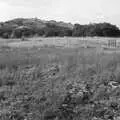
40 90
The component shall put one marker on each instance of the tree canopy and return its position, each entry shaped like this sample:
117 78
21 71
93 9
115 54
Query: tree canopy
31 27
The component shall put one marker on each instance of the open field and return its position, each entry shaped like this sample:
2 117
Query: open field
59 79
56 41
36 50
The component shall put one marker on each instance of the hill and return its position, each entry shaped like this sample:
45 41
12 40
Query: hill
32 26
19 27
35 22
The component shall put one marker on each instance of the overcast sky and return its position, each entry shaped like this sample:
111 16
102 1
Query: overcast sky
75 11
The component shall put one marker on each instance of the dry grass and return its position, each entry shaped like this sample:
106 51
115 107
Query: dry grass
54 83
56 41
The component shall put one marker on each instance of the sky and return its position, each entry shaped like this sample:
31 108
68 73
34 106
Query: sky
74 11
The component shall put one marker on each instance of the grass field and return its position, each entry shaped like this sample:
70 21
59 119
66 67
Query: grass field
57 41
38 50
59 79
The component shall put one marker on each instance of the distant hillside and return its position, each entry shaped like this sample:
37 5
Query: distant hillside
34 22
29 27
19 27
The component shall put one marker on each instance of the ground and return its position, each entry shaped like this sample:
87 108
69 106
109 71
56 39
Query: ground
57 78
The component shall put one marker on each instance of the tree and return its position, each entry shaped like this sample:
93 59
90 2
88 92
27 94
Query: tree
100 29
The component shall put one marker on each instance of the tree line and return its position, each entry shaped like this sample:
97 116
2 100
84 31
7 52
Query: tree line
51 30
